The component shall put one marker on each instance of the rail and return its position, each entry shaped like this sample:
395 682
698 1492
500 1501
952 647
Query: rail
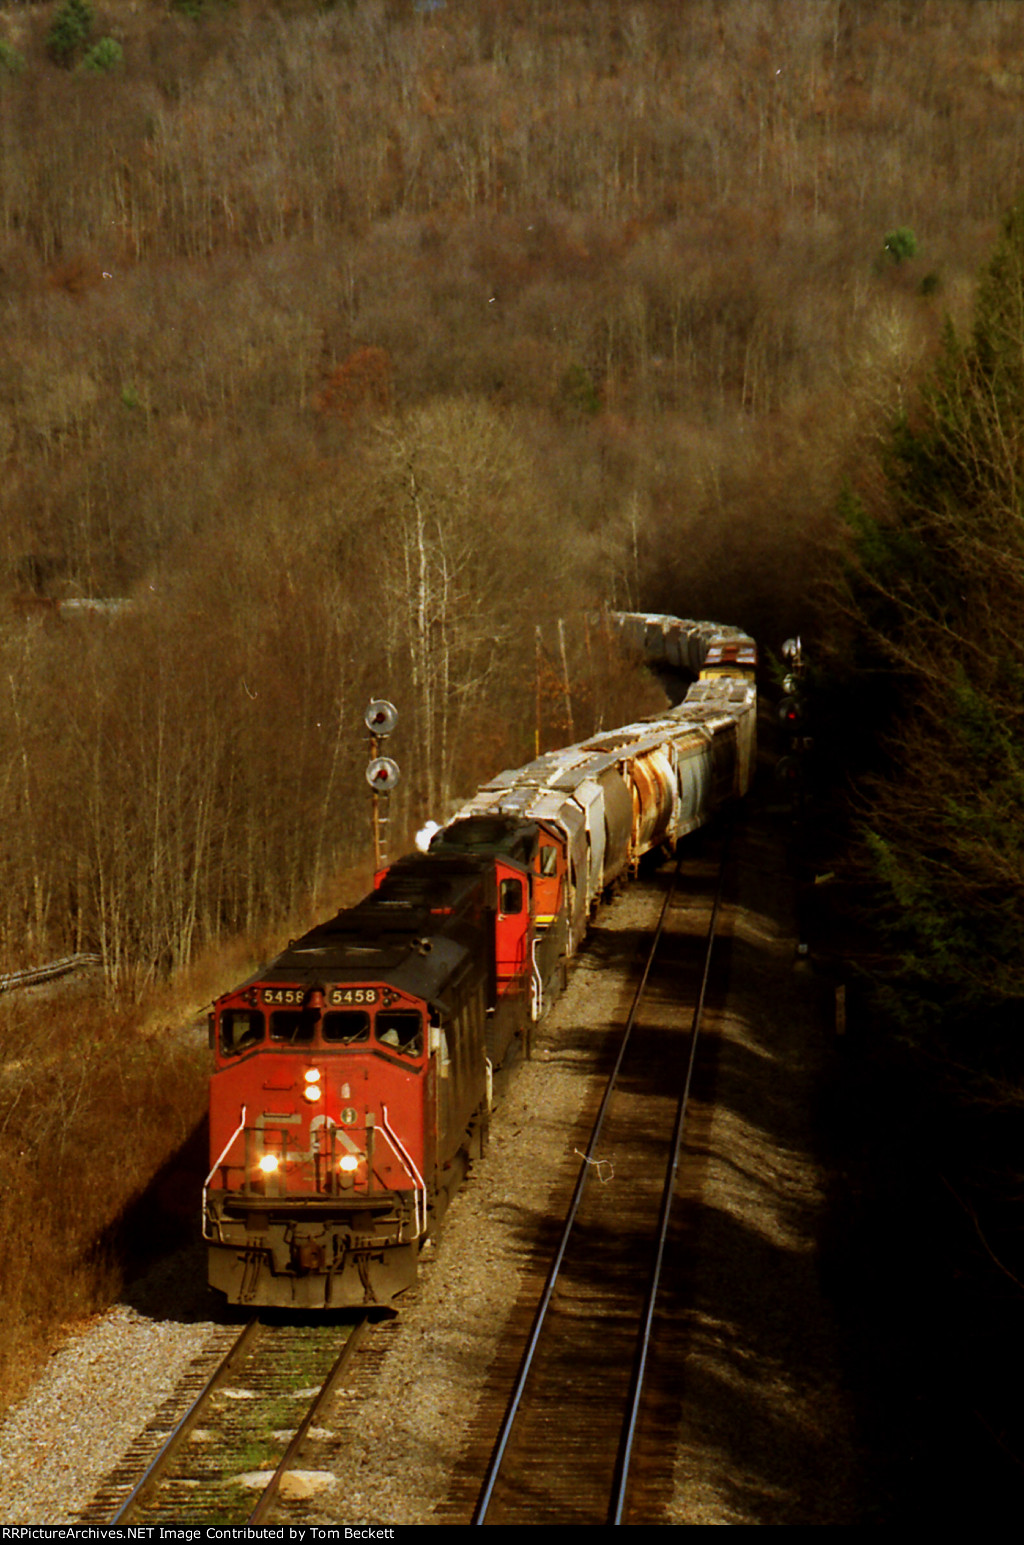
263 1506
644 1340
144 1499
151 1476
497 1457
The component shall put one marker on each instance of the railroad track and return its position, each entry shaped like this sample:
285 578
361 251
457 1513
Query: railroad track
219 1451
585 1432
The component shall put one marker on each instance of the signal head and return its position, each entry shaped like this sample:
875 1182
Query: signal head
382 774
380 717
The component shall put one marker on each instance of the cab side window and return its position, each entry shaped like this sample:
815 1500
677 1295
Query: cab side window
402 1031
510 897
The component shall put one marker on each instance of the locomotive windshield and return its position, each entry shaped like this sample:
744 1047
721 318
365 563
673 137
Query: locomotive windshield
240 1028
296 1026
345 1027
398 1030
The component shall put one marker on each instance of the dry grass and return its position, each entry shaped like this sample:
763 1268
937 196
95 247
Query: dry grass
90 1113
96 1096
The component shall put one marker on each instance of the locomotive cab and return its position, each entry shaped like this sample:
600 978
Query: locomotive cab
316 1193
529 870
349 1092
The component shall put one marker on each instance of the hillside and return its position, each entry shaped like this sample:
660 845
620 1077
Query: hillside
373 348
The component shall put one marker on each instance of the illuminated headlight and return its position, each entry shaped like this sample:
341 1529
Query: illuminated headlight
312 1092
312 1075
269 1164
349 1162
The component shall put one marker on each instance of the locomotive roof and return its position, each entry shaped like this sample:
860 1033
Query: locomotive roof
421 963
488 833
417 932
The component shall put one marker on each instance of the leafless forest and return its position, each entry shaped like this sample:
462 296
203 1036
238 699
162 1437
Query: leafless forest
371 347
354 343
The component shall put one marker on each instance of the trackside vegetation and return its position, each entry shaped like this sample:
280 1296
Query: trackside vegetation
935 584
922 713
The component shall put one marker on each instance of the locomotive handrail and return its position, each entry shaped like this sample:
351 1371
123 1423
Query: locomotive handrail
223 1155
419 1184
537 995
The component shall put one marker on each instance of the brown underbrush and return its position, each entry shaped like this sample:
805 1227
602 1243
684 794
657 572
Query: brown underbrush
90 1114
98 1096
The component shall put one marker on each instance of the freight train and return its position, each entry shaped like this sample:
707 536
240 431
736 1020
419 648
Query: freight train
354 1073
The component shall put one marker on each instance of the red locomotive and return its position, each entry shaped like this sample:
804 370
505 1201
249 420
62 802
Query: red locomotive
354 1074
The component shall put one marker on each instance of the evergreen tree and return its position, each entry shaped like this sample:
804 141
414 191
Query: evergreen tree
936 582
69 32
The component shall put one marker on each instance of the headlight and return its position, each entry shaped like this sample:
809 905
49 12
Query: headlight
269 1164
312 1075
312 1092
349 1162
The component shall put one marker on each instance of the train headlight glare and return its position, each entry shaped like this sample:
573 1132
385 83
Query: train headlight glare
312 1092
312 1075
269 1164
348 1162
